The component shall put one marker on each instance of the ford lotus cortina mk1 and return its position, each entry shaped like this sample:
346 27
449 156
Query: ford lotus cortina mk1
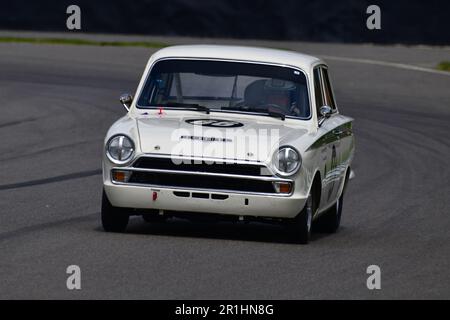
234 133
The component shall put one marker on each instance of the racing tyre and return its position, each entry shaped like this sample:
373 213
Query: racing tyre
114 219
331 219
302 224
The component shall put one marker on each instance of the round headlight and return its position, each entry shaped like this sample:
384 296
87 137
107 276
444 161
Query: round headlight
119 149
287 161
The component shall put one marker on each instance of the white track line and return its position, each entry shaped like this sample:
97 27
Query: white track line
387 64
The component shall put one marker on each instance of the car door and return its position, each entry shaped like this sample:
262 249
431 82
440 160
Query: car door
336 130
329 135
323 140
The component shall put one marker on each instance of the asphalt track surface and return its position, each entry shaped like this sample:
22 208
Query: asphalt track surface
57 103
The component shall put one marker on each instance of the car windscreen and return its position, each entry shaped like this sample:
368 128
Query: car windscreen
227 86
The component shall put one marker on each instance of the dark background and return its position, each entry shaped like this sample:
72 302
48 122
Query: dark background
408 22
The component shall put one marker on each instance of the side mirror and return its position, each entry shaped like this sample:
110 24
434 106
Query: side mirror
325 112
126 99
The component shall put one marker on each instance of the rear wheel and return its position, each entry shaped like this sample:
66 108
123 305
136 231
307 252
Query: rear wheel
114 219
331 219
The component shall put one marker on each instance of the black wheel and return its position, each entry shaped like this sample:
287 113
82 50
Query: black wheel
114 219
302 224
331 219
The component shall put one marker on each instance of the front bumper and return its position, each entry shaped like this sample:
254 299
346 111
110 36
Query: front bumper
176 199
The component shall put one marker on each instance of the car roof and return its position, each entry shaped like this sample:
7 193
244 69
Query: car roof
241 53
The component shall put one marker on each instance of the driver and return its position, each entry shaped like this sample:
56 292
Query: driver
281 93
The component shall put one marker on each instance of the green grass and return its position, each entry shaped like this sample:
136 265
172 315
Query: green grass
444 66
145 44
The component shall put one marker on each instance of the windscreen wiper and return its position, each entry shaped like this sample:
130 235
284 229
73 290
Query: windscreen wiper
270 112
187 106
276 114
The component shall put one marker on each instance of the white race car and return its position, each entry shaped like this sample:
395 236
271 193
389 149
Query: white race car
229 132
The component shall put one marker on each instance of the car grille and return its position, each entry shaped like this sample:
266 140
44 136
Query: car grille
201 182
201 174
202 166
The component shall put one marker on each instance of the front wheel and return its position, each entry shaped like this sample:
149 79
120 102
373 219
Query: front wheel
302 224
114 219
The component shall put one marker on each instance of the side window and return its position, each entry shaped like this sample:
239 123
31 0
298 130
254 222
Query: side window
329 99
318 89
